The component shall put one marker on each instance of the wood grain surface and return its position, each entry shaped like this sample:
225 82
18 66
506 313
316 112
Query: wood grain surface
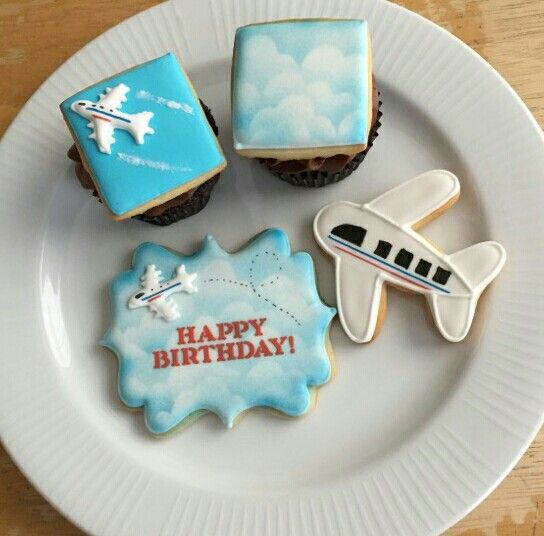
36 36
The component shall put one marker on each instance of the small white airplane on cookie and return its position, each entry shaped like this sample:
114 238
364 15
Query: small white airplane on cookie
155 293
105 116
375 244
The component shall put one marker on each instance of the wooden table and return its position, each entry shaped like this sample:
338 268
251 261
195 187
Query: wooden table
36 36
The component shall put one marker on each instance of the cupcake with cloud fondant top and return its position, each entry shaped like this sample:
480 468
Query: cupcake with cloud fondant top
304 99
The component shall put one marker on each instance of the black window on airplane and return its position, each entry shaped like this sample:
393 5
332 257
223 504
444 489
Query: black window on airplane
350 233
441 276
423 267
404 258
383 249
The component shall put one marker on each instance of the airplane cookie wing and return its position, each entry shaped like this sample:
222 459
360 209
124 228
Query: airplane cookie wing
418 199
139 126
113 98
151 278
102 133
186 280
359 291
165 308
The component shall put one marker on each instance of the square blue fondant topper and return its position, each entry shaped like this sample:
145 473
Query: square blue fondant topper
143 133
302 83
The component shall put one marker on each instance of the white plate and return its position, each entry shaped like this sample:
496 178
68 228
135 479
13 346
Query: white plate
411 434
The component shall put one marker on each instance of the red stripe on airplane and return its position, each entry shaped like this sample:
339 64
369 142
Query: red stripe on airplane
100 117
382 268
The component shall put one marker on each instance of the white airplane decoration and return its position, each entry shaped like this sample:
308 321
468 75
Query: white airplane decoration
105 116
375 244
155 293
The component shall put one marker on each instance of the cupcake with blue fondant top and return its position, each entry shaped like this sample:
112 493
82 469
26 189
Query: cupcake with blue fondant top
304 100
145 143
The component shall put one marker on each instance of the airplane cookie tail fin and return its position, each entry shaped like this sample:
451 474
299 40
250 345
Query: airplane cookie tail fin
478 265
140 126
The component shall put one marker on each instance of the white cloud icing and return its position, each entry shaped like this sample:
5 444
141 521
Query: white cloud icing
319 99
264 61
300 125
174 105
134 160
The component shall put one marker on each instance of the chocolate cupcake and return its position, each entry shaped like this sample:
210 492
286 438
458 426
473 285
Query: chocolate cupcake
305 102
164 165
187 204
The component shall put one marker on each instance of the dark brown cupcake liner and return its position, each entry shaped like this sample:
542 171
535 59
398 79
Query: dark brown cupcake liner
317 178
191 207
210 118
194 204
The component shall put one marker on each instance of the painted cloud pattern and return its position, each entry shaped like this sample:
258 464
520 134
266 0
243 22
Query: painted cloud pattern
301 84
169 395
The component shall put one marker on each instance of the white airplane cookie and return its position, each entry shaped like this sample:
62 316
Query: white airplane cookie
105 116
375 244
155 293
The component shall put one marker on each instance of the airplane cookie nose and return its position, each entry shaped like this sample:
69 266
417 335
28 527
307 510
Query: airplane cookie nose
133 302
78 105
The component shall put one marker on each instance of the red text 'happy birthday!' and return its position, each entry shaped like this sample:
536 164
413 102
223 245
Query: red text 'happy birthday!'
223 342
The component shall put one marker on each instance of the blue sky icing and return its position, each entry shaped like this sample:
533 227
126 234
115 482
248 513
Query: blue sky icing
301 84
182 148
286 291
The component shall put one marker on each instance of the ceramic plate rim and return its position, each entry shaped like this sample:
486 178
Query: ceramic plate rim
36 474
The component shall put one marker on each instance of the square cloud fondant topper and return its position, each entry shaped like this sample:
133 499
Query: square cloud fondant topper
301 85
143 136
